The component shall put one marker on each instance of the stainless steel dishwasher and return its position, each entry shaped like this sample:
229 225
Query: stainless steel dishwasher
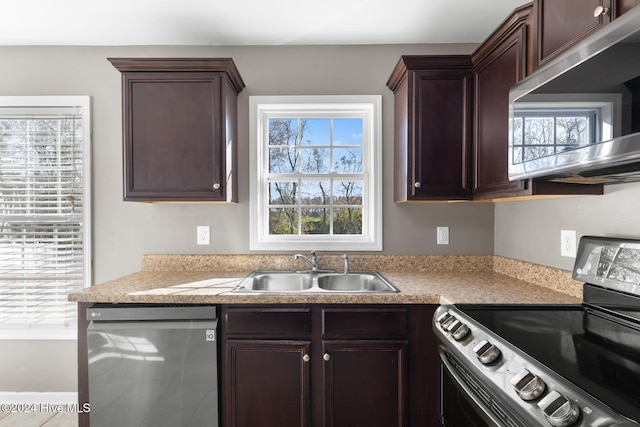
153 366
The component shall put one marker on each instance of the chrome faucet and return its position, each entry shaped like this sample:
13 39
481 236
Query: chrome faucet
313 262
346 264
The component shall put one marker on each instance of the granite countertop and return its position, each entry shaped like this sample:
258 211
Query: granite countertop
209 279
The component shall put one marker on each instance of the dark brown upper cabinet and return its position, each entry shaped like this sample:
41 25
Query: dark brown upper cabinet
433 127
626 5
452 120
562 23
500 62
179 129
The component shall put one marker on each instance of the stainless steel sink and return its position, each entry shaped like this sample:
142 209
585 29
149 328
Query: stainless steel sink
315 282
368 281
277 281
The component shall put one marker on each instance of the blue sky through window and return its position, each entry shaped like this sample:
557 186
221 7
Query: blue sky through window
347 131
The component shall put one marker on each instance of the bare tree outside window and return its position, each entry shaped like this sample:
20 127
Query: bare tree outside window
547 135
308 165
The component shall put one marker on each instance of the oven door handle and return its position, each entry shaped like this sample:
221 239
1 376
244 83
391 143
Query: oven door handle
469 394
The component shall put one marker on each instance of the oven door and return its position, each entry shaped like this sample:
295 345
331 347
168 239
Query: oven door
459 405
466 403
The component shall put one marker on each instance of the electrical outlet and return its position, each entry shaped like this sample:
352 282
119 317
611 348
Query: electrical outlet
442 235
203 236
568 243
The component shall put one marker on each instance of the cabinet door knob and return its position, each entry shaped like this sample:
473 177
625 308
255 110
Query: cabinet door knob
306 358
417 184
600 11
326 357
216 186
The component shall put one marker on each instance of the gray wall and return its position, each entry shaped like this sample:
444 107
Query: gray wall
530 230
123 232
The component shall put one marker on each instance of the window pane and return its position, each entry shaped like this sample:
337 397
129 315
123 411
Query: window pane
347 160
517 131
315 192
283 131
347 192
315 131
572 132
283 193
347 131
315 221
283 160
42 213
539 130
517 155
347 221
283 221
315 160
532 152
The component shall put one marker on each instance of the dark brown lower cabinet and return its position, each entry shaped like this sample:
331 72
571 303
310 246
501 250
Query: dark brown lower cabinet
364 383
328 366
269 383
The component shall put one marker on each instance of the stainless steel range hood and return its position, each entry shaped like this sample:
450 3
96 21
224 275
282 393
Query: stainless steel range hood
577 119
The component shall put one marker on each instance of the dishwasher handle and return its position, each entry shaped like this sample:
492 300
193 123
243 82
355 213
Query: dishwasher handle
110 314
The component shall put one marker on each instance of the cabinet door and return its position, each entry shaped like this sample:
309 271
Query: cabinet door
440 147
494 76
172 143
268 383
562 23
365 383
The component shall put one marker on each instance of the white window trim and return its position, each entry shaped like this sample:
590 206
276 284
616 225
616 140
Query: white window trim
607 105
84 103
261 107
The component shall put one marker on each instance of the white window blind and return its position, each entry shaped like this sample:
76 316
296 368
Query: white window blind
43 210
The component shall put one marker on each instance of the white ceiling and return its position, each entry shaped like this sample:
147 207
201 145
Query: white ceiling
249 22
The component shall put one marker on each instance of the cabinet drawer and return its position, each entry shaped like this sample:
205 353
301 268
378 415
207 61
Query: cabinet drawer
360 322
268 322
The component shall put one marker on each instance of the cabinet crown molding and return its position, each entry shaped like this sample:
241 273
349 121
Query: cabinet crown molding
223 65
431 62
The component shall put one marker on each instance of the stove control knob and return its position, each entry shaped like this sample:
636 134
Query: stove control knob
527 385
460 332
452 324
486 352
559 411
444 317
457 329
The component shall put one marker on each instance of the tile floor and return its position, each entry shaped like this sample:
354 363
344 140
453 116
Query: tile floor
38 419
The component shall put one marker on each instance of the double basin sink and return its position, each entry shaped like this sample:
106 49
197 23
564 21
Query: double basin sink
315 282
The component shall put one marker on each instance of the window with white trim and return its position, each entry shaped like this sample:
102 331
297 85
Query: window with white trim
44 213
541 133
543 125
315 172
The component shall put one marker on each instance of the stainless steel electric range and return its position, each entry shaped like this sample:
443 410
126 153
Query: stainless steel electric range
549 365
